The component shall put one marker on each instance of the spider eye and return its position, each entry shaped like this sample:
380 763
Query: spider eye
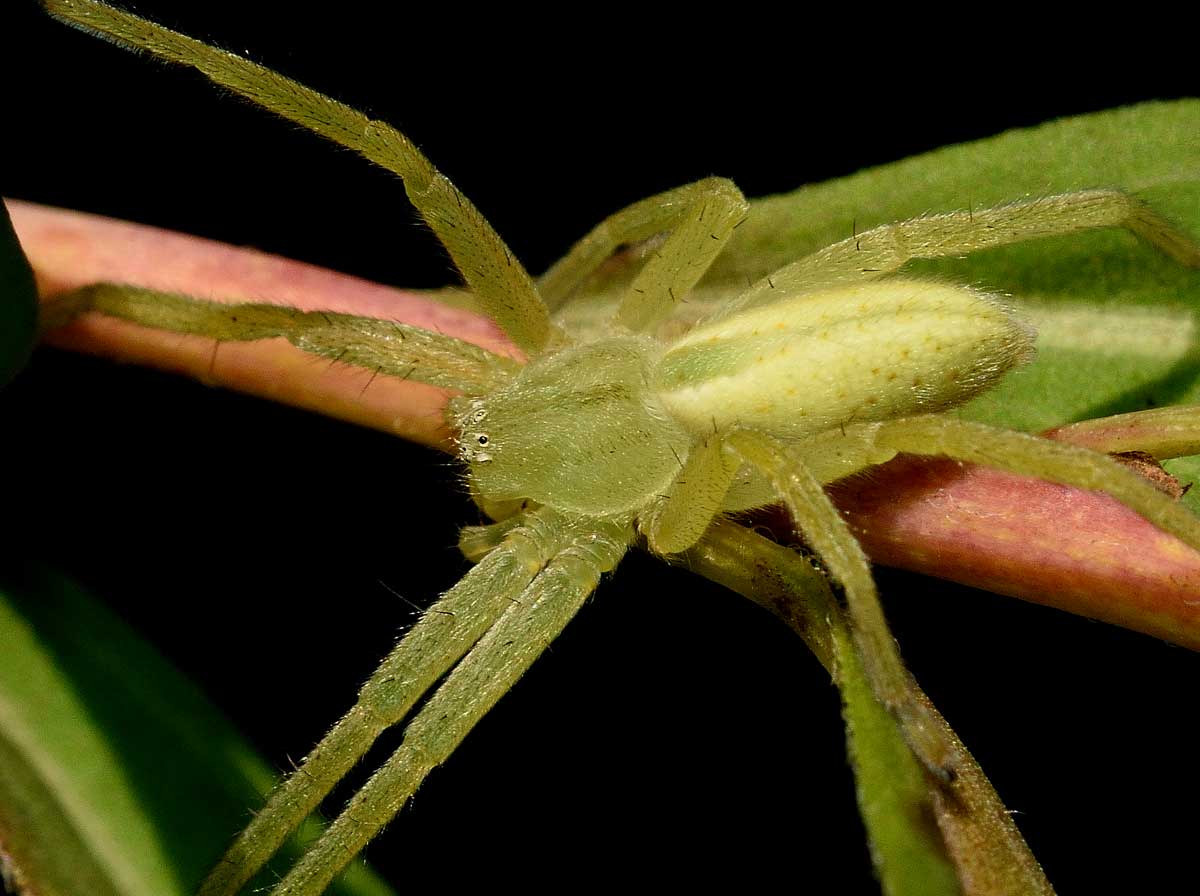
473 447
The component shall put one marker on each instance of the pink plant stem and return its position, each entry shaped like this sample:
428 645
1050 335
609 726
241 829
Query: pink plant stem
71 249
1066 548
1076 550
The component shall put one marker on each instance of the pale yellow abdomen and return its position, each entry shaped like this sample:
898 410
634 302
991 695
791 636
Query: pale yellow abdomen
851 354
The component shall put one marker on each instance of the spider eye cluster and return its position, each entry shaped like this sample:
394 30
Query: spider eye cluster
473 444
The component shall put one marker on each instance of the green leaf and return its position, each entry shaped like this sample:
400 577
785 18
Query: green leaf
893 794
909 814
1117 320
116 775
18 302
1150 149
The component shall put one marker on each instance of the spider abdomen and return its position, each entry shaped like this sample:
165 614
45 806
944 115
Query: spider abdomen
851 354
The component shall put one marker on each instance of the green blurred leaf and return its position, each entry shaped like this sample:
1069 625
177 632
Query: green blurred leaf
18 302
116 775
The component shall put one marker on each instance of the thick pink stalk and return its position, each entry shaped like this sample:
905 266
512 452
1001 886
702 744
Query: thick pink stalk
70 249
1050 544
1059 546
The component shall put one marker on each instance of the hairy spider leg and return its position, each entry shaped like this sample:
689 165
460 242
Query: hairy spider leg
1030 455
700 217
885 249
694 498
504 289
826 532
385 347
526 627
444 634
787 466
788 585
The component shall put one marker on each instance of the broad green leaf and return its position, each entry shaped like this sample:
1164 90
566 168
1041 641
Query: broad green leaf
1150 149
117 778
18 302
1116 320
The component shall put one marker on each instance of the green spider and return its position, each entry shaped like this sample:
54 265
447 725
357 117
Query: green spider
621 435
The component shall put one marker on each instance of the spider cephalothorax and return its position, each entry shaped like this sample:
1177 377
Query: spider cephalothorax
607 437
581 430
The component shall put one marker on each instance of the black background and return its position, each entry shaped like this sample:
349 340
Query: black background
674 733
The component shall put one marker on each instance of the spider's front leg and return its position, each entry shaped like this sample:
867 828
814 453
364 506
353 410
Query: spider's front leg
501 285
384 347
488 629
526 627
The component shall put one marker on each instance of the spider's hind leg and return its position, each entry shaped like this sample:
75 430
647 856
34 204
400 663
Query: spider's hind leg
1031 455
823 528
884 250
